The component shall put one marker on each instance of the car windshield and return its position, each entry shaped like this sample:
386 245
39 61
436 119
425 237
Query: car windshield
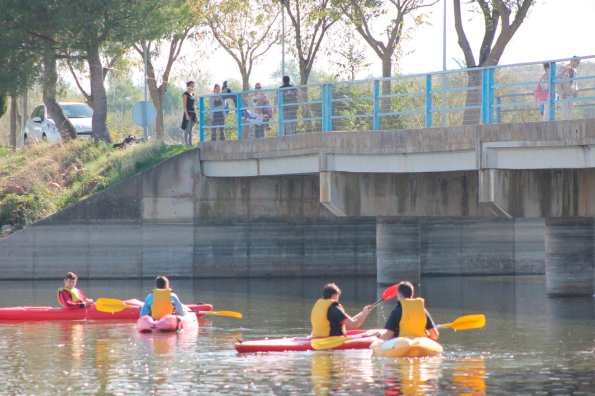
77 110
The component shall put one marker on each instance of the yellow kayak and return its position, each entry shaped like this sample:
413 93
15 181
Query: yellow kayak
406 347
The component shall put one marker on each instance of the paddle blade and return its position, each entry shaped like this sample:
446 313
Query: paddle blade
231 314
328 342
111 305
390 292
467 322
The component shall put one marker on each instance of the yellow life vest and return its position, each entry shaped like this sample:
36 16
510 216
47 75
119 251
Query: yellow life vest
321 327
413 319
74 294
161 303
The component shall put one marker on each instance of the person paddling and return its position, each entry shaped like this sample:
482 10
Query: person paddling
328 317
162 301
71 297
410 317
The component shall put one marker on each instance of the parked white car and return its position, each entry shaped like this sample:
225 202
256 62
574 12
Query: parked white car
40 127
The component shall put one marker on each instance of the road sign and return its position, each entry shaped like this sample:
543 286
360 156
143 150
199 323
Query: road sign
144 113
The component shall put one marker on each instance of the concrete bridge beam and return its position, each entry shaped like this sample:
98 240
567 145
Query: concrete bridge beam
569 256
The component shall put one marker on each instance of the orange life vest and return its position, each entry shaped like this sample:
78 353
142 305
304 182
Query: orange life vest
413 319
161 303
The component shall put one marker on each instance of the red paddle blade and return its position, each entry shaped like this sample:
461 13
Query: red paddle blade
389 293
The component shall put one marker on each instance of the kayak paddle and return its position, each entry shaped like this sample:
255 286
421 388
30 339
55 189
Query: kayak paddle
115 305
112 305
387 294
335 341
231 314
467 322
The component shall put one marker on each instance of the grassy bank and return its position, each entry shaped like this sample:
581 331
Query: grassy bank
44 179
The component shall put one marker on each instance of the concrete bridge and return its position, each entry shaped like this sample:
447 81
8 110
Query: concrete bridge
494 199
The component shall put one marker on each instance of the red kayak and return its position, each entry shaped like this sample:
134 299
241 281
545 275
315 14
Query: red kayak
51 313
363 341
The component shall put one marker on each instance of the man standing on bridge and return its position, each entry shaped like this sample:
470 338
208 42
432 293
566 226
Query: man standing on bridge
568 88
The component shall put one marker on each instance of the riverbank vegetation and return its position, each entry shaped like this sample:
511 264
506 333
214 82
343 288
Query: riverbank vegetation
44 179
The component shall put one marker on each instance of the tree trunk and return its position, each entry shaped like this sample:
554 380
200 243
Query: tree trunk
157 94
245 79
50 79
385 103
99 122
304 74
14 115
473 116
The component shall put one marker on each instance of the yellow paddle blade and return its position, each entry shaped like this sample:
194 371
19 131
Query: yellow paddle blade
467 322
111 305
231 314
328 342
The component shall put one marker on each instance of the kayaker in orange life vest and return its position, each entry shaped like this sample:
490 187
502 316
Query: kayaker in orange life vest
328 317
162 301
410 317
71 297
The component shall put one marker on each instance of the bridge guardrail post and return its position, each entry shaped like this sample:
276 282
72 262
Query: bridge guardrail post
484 97
323 107
239 115
491 95
201 119
551 97
428 101
329 108
280 131
376 114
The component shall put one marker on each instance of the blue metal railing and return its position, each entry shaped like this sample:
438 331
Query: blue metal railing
488 95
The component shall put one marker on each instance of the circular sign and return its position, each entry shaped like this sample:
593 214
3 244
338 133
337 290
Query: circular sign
144 113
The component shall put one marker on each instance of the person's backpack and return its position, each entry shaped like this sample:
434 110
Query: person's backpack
540 93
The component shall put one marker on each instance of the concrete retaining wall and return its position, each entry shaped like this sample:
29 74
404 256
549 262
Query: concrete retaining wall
171 219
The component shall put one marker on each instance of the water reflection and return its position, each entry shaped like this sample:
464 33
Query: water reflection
468 377
411 376
531 344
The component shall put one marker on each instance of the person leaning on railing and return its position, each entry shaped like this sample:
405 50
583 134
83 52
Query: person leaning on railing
263 110
568 89
218 108
290 106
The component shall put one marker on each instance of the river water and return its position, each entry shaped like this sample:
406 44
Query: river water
531 344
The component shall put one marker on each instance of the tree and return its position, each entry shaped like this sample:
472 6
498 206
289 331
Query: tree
311 20
3 104
110 60
34 30
351 58
158 89
364 15
245 29
100 25
496 13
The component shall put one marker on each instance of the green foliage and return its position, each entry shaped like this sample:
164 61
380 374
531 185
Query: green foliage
3 104
44 179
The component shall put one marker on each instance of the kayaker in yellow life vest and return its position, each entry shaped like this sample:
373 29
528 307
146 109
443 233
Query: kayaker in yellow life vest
410 317
162 301
71 297
328 317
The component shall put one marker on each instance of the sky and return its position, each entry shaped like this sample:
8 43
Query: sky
554 29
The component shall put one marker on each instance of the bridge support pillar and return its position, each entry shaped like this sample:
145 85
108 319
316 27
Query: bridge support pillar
397 250
569 256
